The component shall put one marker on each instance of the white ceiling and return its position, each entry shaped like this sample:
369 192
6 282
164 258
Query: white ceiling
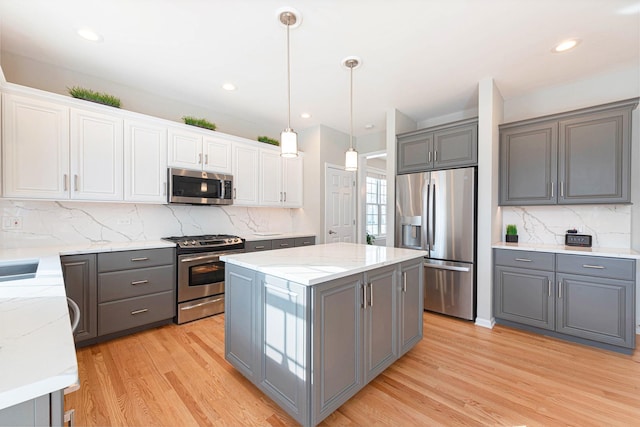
422 57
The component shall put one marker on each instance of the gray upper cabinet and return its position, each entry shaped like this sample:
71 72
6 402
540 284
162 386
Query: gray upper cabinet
595 153
442 147
528 164
579 157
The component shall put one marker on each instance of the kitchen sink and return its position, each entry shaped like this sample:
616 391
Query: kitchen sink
18 270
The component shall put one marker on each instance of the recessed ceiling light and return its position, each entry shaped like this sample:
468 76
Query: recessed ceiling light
229 86
89 34
305 115
566 45
369 126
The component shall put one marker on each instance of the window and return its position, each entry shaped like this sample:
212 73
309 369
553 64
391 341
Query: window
376 206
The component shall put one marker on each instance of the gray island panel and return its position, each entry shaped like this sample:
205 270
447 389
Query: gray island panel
313 327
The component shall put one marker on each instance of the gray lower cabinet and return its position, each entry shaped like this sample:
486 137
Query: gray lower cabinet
267 245
443 147
80 282
411 305
595 299
586 299
47 410
135 288
311 348
577 157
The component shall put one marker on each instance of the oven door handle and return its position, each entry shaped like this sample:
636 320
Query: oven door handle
200 258
215 257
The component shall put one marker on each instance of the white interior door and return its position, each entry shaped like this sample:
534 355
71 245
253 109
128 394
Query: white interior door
339 215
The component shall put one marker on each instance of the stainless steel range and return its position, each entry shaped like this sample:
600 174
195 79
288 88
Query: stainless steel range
201 273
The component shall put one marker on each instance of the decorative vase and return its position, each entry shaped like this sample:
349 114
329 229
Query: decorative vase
511 238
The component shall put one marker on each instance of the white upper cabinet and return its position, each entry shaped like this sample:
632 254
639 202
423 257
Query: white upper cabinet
280 179
35 149
293 181
96 156
194 150
145 161
245 175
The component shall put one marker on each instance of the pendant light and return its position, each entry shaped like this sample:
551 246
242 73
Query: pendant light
351 156
288 137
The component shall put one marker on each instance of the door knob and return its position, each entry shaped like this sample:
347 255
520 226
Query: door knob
333 232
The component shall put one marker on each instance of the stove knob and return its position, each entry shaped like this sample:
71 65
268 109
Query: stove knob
193 242
185 243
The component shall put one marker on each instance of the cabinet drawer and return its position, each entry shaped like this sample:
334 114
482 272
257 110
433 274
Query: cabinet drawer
304 241
132 283
129 313
525 259
614 268
124 260
283 243
259 245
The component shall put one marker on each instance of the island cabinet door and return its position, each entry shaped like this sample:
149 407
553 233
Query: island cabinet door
241 317
411 304
284 349
380 321
336 344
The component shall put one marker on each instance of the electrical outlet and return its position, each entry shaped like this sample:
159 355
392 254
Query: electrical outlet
11 223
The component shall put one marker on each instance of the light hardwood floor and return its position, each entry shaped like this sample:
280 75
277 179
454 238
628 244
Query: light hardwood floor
459 374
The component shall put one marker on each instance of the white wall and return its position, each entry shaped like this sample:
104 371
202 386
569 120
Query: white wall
448 118
372 142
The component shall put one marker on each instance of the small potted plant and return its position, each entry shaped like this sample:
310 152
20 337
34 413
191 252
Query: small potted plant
512 234
201 123
268 140
97 97
370 239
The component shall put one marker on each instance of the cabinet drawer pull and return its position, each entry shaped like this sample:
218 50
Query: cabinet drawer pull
561 188
552 190
435 155
139 282
404 281
599 267
65 182
306 243
429 159
283 245
75 182
523 259
285 196
364 296
260 247
200 158
549 287
191 307
370 295
144 310
144 258
206 159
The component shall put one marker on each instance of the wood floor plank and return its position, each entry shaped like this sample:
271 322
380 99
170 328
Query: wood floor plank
458 375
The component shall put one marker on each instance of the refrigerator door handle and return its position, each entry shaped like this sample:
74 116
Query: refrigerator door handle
433 218
446 267
425 213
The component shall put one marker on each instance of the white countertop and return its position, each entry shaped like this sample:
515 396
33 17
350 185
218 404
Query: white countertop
310 265
575 250
270 235
37 351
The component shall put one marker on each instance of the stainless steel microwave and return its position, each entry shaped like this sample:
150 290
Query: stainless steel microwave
199 187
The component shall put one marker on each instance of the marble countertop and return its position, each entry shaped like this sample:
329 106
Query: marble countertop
574 250
270 235
310 265
37 351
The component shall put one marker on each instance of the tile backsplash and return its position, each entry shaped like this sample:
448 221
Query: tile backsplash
610 225
48 223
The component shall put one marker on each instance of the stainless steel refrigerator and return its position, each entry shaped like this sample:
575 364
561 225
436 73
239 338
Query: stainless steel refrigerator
436 212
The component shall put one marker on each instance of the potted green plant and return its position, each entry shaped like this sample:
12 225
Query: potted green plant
370 239
268 140
512 234
98 97
201 123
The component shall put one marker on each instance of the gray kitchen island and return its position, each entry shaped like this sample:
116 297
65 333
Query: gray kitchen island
311 326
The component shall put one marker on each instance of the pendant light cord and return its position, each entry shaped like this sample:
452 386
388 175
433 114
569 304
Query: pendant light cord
351 108
288 78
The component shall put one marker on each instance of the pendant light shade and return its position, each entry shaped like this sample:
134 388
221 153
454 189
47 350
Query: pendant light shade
288 137
351 160
351 156
289 143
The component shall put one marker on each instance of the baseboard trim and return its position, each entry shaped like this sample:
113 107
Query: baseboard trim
485 323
